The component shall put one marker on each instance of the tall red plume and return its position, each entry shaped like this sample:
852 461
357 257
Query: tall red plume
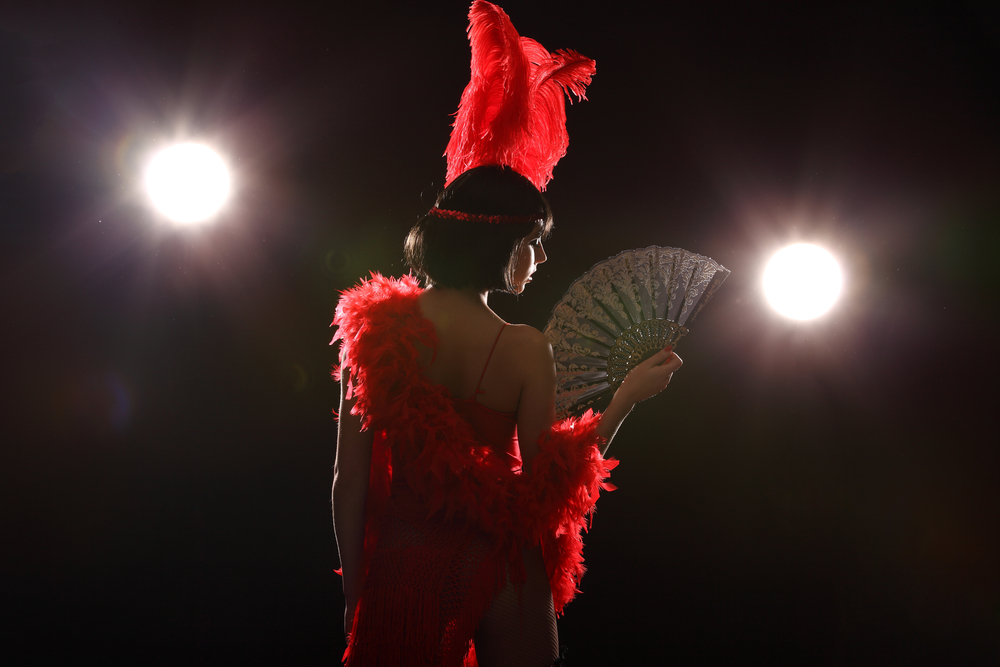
513 111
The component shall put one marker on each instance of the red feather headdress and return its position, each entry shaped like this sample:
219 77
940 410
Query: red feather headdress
513 112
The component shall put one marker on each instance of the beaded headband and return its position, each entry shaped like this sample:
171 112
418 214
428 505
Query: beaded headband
445 214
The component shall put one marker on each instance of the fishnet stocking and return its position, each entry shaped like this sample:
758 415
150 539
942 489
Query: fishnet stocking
519 628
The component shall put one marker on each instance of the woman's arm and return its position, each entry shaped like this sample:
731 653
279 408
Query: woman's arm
536 410
350 490
644 381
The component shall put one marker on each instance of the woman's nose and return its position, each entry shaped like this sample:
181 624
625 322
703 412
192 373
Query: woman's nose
540 255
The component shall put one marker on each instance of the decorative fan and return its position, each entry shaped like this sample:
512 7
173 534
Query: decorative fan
621 312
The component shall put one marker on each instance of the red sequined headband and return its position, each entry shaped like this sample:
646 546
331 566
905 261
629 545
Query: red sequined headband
478 217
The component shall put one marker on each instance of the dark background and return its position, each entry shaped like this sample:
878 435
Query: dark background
803 493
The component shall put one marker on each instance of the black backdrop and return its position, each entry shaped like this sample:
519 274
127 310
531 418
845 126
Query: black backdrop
818 493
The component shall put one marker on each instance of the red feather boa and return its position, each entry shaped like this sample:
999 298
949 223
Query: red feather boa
379 324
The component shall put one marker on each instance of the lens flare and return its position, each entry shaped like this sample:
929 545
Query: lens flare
802 281
187 182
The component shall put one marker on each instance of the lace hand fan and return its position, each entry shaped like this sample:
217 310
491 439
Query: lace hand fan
621 312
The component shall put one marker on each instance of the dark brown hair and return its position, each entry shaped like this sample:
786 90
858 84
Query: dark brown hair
462 253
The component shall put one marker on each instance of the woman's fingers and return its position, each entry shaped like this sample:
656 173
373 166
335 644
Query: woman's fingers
349 610
662 372
673 362
665 356
652 375
658 358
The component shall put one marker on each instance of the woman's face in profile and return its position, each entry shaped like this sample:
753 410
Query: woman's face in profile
529 257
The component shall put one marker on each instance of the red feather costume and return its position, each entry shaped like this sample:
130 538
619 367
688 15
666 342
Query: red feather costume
447 513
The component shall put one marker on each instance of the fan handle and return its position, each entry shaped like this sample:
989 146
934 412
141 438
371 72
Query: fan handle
641 341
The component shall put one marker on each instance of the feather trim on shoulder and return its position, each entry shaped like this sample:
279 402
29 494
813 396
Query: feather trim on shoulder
367 318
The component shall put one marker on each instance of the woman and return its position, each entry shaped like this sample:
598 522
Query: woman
449 452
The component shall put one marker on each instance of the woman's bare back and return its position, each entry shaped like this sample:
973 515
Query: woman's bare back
472 339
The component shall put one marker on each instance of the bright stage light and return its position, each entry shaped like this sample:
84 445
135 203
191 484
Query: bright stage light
802 281
187 182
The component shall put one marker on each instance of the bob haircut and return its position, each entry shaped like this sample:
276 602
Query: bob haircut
482 255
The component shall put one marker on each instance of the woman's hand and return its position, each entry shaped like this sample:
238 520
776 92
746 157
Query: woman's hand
349 609
650 377
644 381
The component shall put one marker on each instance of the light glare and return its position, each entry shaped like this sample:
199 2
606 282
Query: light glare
187 182
802 281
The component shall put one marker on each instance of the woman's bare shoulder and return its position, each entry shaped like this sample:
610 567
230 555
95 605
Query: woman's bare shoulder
527 335
528 344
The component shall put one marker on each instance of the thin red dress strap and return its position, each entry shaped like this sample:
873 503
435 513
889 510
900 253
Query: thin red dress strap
487 365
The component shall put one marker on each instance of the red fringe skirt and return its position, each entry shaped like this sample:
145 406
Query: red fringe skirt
428 584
